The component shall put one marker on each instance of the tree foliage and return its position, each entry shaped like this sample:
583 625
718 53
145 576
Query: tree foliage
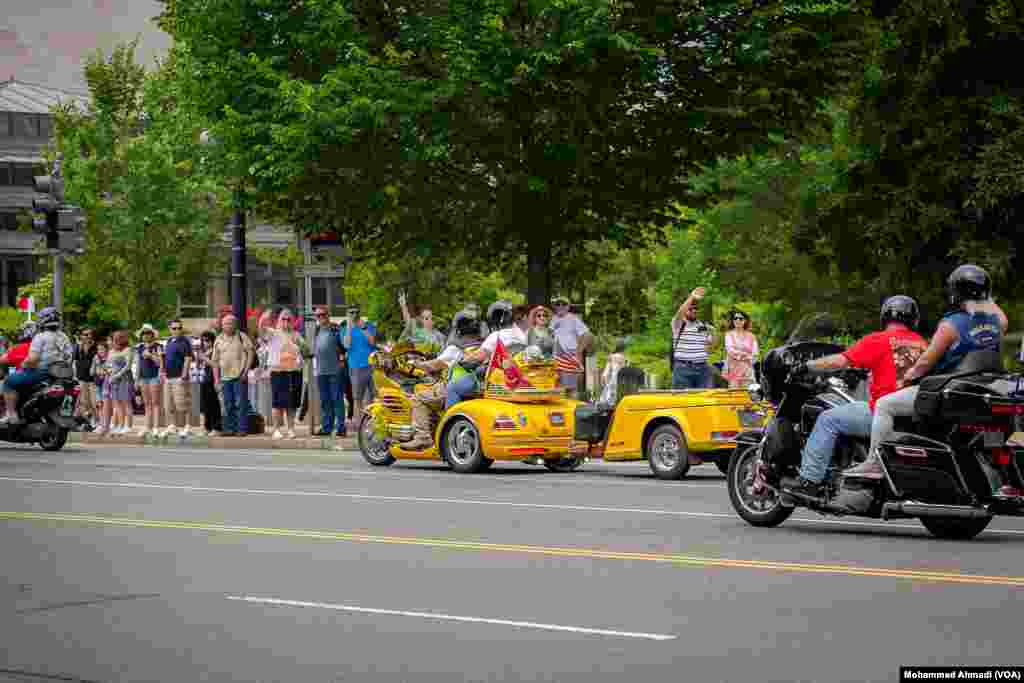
426 127
131 160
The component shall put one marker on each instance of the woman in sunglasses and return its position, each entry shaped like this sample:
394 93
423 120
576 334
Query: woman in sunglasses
740 351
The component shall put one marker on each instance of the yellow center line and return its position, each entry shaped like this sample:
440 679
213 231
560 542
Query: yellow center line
552 551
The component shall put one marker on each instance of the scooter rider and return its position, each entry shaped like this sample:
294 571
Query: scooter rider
978 324
50 345
887 354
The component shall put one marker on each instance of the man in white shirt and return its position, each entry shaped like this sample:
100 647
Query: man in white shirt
514 335
572 341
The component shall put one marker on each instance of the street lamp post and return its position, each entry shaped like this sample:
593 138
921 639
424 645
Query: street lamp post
238 283
239 286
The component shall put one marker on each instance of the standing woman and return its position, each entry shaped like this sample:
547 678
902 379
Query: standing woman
740 351
148 358
285 352
120 384
209 403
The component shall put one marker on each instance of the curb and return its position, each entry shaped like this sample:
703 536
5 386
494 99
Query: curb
253 442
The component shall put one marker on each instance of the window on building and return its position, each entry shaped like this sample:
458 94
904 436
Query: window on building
320 292
45 126
23 175
284 293
27 125
5 124
6 175
8 220
15 275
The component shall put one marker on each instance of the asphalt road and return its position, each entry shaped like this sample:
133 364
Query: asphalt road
149 564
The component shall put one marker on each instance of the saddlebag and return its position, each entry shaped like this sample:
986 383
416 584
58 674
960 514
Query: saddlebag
592 422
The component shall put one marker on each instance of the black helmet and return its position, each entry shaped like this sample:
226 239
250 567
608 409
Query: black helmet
499 315
901 309
49 318
27 331
968 283
466 326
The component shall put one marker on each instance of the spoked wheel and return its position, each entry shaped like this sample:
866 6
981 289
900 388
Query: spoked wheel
667 453
462 448
371 445
566 464
54 438
955 528
759 508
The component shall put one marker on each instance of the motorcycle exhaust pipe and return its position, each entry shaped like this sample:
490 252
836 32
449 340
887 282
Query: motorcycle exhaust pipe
896 510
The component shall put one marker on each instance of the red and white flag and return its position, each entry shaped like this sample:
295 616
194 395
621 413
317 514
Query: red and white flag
27 304
501 359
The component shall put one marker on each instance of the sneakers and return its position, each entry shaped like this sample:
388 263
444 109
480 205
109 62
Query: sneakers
291 434
278 435
803 487
869 469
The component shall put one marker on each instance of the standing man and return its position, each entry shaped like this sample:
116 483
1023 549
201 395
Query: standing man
177 358
85 352
360 338
692 341
327 350
572 341
232 355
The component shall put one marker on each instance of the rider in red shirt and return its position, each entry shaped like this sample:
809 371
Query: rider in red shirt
888 355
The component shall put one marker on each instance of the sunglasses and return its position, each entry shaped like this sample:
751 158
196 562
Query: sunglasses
173 327
321 315
739 318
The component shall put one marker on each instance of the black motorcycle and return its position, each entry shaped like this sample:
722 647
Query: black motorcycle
47 411
944 465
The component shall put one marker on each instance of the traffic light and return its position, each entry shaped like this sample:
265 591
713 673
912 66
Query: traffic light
46 205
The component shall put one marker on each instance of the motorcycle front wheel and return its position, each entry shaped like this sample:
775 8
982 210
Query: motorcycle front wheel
758 509
54 439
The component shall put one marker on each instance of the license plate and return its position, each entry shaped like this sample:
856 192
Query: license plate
557 419
994 440
68 407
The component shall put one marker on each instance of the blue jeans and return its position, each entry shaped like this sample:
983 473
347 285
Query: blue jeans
24 378
236 406
687 376
332 402
460 390
852 419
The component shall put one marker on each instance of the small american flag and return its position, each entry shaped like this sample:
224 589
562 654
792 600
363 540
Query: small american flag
567 362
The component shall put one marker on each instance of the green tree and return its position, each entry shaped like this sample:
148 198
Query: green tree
132 161
500 126
934 174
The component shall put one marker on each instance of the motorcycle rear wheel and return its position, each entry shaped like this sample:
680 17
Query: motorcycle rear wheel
54 439
955 528
765 509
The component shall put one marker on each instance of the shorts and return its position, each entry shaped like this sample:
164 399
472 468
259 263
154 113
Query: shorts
362 383
87 398
180 397
120 391
285 390
149 380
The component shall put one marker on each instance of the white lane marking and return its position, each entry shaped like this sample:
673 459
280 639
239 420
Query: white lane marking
451 617
553 479
464 501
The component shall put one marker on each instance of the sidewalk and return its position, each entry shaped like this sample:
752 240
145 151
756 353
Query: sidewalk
303 441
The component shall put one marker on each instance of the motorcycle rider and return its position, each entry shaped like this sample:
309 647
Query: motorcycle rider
49 346
977 324
887 354
432 398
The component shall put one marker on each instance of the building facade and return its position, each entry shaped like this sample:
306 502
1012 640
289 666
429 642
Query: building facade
26 127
